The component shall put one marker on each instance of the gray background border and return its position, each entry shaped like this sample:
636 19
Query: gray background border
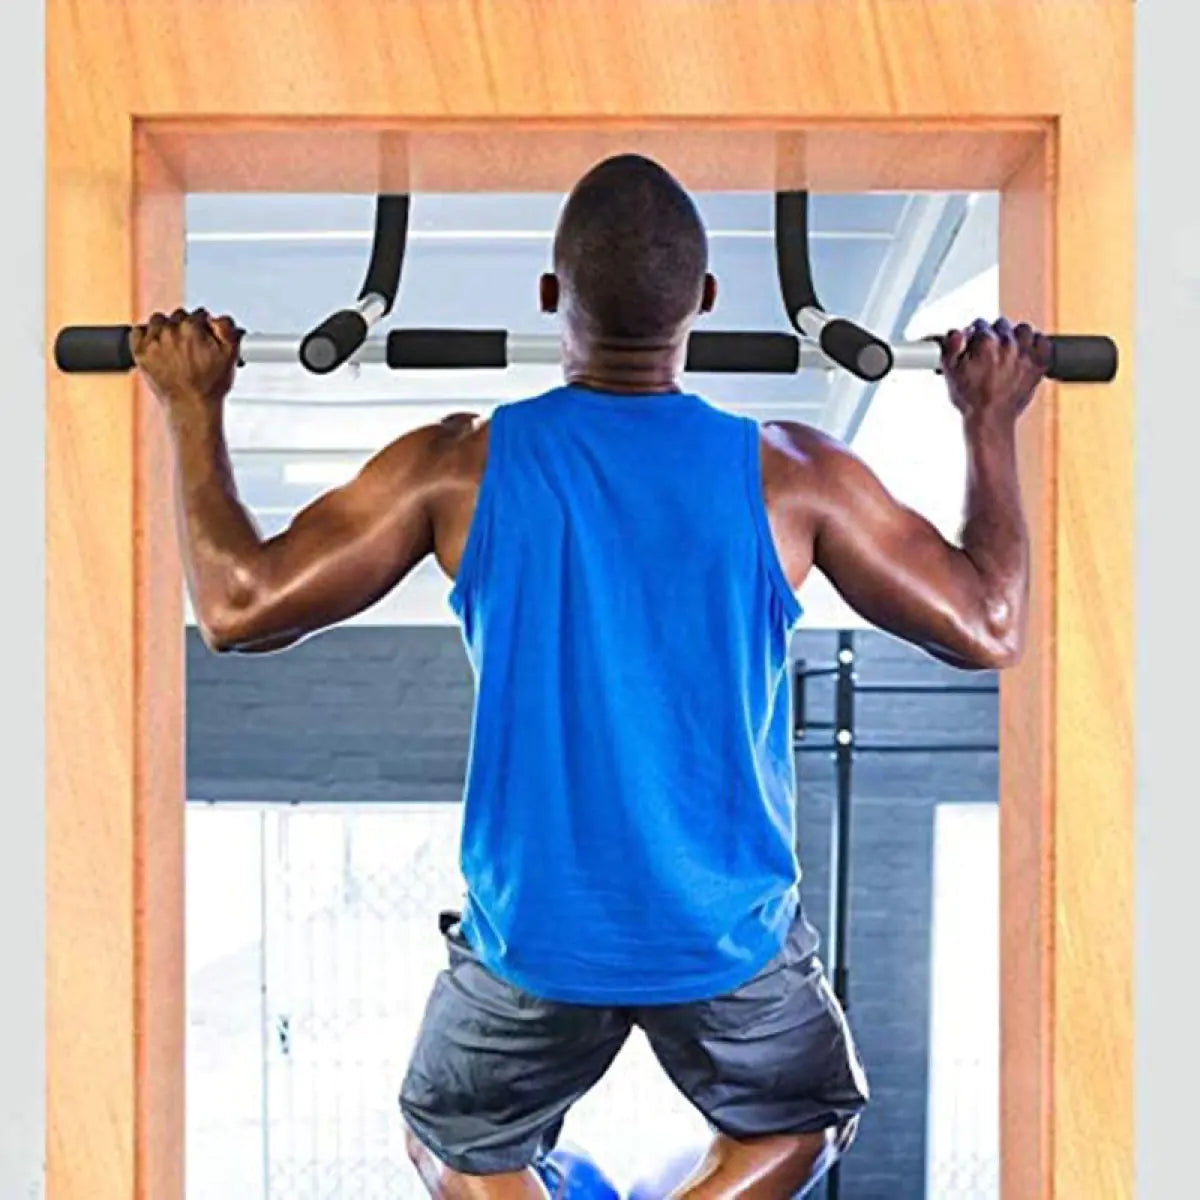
22 900
1167 98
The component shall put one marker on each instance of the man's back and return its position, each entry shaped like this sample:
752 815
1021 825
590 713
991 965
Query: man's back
628 620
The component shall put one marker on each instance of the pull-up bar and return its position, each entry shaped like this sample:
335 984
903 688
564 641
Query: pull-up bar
83 348
821 340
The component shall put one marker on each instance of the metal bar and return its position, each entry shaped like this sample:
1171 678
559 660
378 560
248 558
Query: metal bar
930 748
923 355
854 347
840 843
800 722
546 349
531 348
839 874
913 748
922 689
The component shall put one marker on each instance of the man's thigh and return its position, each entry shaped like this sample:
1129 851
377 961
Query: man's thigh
495 1070
776 1056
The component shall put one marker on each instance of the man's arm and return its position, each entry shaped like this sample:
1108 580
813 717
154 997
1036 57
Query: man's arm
339 555
964 604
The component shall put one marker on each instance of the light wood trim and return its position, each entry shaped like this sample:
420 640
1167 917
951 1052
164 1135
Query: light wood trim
1092 746
549 156
235 93
160 874
115 874
646 61
1027 223
91 702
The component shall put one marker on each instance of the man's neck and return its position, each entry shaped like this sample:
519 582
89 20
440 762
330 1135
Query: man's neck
627 368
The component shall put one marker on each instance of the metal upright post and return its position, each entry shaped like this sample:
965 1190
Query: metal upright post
839 867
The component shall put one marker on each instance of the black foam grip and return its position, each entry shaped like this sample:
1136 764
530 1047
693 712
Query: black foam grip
333 341
87 348
760 353
1082 358
447 349
791 252
387 249
860 352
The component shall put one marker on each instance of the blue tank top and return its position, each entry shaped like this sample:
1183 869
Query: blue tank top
629 820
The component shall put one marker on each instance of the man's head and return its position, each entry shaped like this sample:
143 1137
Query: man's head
630 256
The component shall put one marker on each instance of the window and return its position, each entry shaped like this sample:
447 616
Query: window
964 1046
312 947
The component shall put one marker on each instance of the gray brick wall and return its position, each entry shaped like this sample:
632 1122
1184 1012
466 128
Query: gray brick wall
891 881
361 714
367 714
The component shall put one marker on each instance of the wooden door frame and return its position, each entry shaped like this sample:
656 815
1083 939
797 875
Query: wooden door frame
147 101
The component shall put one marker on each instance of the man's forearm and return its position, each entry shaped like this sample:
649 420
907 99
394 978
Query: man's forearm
994 534
218 537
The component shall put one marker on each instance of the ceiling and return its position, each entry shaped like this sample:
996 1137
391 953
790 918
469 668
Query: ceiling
280 263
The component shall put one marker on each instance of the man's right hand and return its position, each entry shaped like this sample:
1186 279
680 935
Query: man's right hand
993 370
187 358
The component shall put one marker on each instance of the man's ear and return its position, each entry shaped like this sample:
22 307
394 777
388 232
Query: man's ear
548 292
708 295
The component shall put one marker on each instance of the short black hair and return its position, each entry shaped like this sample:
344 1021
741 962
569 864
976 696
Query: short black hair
631 249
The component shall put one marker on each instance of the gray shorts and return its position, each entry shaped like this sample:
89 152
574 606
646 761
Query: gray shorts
495 1069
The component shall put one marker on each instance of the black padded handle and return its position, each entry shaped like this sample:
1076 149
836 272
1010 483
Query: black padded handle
1082 358
88 348
333 341
791 253
387 249
757 353
860 352
447 349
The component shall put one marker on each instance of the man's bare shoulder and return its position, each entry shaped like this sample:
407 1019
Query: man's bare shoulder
463 429
452 451
796 452
455 446
460 427
457 464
